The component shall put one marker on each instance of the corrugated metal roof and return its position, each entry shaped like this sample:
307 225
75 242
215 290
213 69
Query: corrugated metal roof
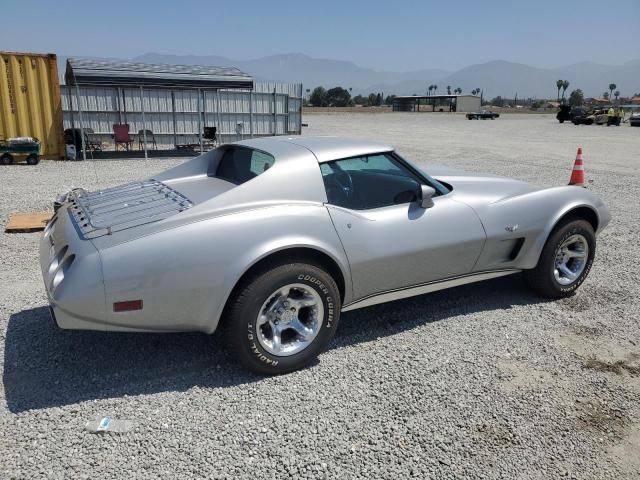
120 73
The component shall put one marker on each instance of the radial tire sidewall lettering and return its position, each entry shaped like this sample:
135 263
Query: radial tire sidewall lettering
329 323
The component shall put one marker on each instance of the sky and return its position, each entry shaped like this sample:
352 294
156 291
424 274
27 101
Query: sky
384 35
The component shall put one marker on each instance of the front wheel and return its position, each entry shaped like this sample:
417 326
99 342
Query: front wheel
33 159
565 260
283 318
6 159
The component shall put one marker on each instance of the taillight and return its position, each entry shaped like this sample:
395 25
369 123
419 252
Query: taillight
127 306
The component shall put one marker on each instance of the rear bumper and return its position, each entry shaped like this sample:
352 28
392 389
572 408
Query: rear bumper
72 274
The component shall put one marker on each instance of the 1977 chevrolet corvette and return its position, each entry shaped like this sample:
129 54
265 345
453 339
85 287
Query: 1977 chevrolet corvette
270 239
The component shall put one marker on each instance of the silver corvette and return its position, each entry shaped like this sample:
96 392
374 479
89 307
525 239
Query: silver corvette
270 239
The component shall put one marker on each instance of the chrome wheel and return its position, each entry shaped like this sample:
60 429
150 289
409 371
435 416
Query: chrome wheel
289 320
571 259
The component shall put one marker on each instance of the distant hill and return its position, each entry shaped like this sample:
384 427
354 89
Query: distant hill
297 67
494 78
507 78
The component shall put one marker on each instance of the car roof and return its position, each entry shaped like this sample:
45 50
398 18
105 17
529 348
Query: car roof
324 148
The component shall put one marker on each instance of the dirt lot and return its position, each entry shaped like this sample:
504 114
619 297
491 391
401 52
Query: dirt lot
481 381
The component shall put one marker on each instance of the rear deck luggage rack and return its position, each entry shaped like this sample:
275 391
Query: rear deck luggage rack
114 209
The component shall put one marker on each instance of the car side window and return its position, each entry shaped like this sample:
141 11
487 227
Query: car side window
239 165
370 181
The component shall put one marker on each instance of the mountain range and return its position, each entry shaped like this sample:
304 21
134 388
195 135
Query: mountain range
497 77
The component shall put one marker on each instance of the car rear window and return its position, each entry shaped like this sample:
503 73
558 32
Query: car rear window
239 165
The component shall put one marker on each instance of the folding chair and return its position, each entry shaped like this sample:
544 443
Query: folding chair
150 139
91 145
210 134
121 135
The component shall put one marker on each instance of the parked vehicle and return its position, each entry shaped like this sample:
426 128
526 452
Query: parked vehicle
20 149
576 115
600 117
581 116
483 115
634 118
564 113
271 238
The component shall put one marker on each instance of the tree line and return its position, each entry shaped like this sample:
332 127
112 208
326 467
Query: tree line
576 97
341 97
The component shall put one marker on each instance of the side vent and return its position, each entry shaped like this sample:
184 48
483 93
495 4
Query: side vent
516 248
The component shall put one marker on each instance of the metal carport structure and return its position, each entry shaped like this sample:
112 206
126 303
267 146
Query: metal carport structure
411 103
178 100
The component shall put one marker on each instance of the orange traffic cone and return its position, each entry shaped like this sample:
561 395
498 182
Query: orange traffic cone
577 174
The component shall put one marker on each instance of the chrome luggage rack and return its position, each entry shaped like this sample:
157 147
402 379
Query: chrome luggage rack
104 212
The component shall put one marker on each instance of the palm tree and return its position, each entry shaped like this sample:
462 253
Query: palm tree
458 90
430 88
435 89
612 87
448 89
565 85
616 94
605 95
559 84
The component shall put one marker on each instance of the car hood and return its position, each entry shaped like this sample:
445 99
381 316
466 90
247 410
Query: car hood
479 188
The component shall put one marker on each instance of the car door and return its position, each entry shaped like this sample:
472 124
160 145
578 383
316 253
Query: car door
390 240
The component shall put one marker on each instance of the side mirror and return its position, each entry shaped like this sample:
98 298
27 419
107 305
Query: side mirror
427 193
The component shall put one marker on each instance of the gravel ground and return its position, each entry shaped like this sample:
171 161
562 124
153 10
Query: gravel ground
482 381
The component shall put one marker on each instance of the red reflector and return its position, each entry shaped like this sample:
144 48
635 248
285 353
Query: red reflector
127 306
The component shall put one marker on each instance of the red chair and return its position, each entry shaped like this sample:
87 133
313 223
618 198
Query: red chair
121 135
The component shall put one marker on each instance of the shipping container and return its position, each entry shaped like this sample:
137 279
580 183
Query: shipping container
30 104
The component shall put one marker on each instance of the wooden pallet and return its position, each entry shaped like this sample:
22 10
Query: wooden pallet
27 222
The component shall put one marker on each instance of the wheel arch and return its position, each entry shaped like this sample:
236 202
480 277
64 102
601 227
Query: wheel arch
571 212
583 212
306 254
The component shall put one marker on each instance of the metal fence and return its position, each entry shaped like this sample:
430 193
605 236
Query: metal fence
178 116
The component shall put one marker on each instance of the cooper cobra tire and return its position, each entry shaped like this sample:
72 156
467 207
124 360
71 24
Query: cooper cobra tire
260 298
544 277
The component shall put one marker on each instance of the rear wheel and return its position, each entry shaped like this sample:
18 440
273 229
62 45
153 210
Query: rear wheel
33 159
565 260
6 159
282 318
